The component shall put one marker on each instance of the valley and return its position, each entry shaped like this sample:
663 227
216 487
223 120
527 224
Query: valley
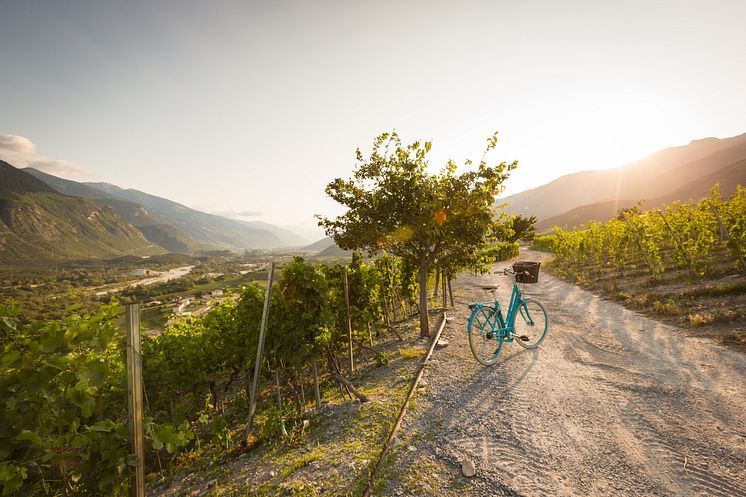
160 283
663 325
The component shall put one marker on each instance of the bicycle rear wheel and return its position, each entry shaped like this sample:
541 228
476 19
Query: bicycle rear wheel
484 345
531 324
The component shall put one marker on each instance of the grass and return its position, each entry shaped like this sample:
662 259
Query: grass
302 461
411 352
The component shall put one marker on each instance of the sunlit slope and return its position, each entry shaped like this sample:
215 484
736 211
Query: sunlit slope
159 233
727 177
656 176
37 223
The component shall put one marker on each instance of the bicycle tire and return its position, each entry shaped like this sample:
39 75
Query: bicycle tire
484 348
531 321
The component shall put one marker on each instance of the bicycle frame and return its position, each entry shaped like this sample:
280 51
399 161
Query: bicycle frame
501 328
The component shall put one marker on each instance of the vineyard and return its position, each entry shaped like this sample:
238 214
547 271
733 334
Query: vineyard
683 261
64 428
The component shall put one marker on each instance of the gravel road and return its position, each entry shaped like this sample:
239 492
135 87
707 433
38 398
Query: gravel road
612 403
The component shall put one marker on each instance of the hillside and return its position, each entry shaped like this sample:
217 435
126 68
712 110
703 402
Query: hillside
288 238
47 225
319 245
13 183
182 229
675 170
203 228
164 235
728 178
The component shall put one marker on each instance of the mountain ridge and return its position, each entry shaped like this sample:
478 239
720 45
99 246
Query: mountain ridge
655 176
38 223
195 230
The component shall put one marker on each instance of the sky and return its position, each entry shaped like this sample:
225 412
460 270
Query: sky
250 108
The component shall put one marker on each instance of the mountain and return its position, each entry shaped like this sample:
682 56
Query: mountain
162 234
320 245
288 238
182 229
206 229
676 173
38 223
66 186
13 183
333 251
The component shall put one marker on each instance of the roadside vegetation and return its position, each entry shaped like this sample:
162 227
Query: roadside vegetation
683 263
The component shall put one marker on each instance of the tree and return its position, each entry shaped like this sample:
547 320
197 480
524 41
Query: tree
394 205
523 228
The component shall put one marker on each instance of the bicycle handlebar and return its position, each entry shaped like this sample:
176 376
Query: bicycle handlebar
506 271
510 272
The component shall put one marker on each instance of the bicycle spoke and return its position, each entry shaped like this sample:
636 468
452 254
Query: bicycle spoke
531 324
484 345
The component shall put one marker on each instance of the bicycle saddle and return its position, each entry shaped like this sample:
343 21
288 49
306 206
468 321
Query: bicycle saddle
488 287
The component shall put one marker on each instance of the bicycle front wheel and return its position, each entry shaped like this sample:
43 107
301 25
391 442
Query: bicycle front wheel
531 324
484 345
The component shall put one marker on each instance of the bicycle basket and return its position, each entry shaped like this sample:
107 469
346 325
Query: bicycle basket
526 271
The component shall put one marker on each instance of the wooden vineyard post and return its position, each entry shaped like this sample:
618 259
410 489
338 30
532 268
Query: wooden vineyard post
349 318
302 391
316 382
395 301
135 399
259 352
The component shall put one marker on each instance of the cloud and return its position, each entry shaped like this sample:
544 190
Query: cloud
241 215
21 152
56 167
16 144
248 214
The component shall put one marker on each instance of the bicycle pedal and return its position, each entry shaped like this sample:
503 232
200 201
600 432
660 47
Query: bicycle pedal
524 338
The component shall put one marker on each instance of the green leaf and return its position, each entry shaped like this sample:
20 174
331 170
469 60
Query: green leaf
53 341
56 362
10 358
30 436
105 425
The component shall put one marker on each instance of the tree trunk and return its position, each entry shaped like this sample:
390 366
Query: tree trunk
450 292
445 294
437 282
424 324
386 312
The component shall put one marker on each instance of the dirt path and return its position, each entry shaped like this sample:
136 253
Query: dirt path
612 403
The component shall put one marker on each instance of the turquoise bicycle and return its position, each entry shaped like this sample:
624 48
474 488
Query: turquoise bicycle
526 321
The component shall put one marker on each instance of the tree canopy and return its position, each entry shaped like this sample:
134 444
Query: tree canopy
524 228
396 206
